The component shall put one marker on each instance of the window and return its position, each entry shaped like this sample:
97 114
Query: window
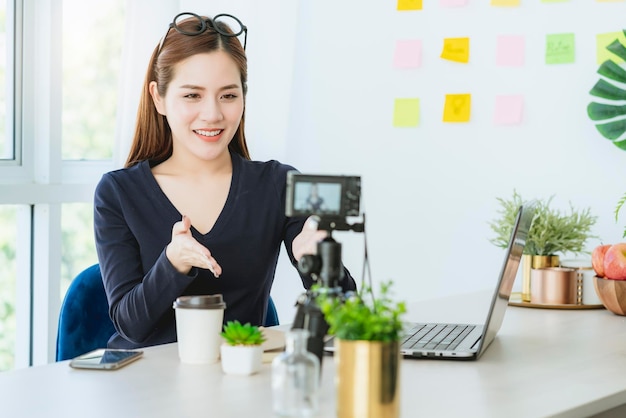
78 248
92 54
6 61
8 238
58 102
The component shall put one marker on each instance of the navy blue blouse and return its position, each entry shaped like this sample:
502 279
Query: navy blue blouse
133 222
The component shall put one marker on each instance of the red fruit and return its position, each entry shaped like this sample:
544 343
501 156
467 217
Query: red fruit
615 262
597 259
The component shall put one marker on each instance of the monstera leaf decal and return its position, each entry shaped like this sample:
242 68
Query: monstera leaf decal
610 113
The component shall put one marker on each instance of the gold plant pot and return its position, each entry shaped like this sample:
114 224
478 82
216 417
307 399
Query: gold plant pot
529 262
367 379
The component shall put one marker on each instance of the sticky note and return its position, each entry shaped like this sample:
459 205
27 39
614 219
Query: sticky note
452 3
508 110
404 5
456 49
505 3
408 54
510 51
605 39
560 48
457 108
406 112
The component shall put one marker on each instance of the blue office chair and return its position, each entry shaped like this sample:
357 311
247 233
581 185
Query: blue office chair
271 316
84 322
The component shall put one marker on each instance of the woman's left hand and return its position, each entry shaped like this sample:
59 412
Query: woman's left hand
307 240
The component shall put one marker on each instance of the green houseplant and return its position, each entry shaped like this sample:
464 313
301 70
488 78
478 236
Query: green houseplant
367 330
242 351
363 316
610 112
552 232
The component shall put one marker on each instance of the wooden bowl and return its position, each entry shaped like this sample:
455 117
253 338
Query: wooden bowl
612 293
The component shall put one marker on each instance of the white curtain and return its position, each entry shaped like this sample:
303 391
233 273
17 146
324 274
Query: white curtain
146 23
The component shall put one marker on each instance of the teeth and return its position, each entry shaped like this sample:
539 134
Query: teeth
208 133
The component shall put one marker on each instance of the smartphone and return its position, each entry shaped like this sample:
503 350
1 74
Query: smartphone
105 359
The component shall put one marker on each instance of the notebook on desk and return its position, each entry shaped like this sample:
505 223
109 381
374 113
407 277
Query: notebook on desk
469 341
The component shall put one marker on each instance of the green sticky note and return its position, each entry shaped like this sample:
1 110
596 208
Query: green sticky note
406 113
560 48
605 39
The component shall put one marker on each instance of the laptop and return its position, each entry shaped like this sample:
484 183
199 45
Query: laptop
469 341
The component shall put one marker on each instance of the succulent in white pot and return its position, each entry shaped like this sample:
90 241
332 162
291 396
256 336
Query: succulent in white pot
242 351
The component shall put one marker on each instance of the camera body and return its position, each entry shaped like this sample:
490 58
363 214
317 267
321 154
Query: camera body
329 197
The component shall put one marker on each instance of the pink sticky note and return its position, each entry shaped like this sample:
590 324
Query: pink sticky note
509 110
408 54
510 51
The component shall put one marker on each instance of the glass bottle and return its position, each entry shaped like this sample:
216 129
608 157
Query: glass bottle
295 377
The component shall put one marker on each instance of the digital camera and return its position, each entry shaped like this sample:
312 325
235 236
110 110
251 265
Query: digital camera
336 197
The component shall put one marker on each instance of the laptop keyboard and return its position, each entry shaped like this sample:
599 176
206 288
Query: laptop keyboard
435 336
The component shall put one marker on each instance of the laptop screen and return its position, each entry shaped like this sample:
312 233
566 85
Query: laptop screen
508 273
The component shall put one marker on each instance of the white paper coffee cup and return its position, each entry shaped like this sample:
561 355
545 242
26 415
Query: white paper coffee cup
198 327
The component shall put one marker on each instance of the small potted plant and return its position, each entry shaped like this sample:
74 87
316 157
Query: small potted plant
241 352
552 232
367 330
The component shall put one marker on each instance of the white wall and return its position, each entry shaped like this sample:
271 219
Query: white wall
428 192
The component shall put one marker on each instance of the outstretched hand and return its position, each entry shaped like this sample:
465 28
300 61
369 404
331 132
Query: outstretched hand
184 252
306 241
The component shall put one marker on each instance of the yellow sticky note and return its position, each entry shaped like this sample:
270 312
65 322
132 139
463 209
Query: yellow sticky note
456 49
404 5
505 3
406 113
605 39
457 108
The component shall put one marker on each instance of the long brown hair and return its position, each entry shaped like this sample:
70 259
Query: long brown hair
153 136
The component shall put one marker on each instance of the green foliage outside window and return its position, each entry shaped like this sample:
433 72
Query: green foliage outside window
92 54
7 286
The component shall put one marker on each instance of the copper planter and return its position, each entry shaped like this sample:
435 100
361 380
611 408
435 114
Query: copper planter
554 285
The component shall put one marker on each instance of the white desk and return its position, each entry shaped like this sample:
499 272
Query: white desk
543 363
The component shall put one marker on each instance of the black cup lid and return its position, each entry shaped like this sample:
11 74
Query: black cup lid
200 302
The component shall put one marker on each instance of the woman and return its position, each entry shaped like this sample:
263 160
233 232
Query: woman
314 202
191 213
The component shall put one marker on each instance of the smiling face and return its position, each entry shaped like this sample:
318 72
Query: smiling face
204 103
